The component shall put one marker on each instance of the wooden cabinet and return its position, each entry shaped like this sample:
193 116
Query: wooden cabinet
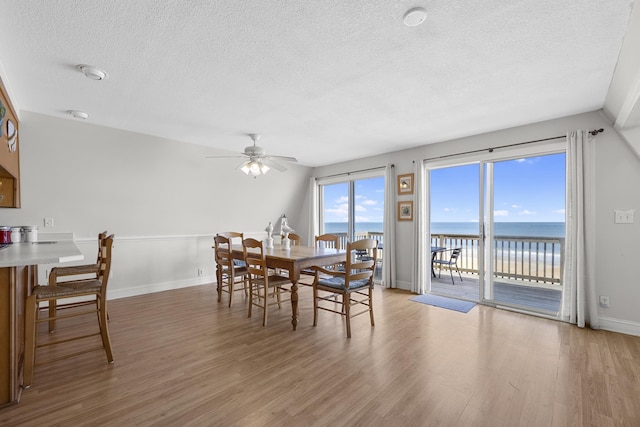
9 153
15 284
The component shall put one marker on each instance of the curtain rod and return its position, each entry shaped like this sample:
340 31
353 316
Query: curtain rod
352 172
490 149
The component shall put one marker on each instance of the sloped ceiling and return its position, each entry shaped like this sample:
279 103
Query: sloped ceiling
321 80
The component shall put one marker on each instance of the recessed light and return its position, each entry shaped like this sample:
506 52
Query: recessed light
415 16
92 72
76 114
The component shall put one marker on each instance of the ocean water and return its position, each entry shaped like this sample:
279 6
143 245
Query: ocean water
519 229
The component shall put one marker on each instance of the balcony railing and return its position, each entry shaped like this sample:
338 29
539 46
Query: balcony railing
529 259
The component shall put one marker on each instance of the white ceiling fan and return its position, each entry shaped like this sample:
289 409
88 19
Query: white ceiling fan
258 162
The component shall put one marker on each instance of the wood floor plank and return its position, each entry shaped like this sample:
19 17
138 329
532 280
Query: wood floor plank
183 359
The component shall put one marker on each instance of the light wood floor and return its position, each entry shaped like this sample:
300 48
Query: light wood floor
182 359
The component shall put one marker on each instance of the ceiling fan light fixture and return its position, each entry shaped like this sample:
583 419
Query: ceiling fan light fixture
255 168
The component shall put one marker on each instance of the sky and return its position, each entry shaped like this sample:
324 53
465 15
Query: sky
369 194
526 190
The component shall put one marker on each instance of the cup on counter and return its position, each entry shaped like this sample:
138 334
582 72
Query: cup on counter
16 234
30 233
5 234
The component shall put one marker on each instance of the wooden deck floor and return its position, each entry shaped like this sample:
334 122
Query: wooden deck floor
540 299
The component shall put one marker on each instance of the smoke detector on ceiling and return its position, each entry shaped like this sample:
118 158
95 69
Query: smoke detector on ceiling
92 72
76 114
415 16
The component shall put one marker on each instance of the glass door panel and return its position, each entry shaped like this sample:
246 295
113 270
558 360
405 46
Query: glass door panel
454 224
334 209
524 228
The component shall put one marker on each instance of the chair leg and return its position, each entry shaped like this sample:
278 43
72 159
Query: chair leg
31 313
231 279
52 315
219 279
104 330
458 270
315 306
278 296
346 300
265 305
373 323
451 274
251 295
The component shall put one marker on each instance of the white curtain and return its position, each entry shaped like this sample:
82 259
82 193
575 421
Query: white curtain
579 294
313 211
389 249
418 276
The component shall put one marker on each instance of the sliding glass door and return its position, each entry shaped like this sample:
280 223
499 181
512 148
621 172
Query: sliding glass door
353 208
506 216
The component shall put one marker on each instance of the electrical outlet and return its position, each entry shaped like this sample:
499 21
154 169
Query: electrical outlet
48 222
604 301
623 217
200 272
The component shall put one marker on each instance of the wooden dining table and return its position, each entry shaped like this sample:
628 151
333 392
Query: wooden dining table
295 260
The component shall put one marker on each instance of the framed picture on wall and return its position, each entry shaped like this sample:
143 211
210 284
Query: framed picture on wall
405 211
405 184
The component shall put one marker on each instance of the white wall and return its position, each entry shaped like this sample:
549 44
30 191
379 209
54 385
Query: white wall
163 200
617 178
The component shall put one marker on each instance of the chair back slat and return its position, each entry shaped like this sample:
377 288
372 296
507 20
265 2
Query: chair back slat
254 259
222 247
328 241
105 262
361 260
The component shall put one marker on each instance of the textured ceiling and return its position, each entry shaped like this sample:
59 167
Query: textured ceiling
321 80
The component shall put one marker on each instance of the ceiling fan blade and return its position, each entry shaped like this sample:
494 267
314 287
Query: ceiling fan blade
267 161
284 158
225 157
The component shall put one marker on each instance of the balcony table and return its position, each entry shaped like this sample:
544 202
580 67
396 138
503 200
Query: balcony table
434 252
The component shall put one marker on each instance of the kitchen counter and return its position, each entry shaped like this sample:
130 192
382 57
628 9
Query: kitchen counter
18 275
35 253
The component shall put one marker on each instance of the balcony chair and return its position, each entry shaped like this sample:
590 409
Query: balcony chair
228 272
451 262
95 287
354 283
261 279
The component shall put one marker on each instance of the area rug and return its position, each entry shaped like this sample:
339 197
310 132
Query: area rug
444 302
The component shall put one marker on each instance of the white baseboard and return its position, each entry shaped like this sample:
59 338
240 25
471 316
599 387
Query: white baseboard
160 287
621 326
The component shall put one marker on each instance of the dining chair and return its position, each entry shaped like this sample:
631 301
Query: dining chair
328 241
322 241
94 287
261 279
85 270
295 239
354 283
450 263
228 272
239 237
